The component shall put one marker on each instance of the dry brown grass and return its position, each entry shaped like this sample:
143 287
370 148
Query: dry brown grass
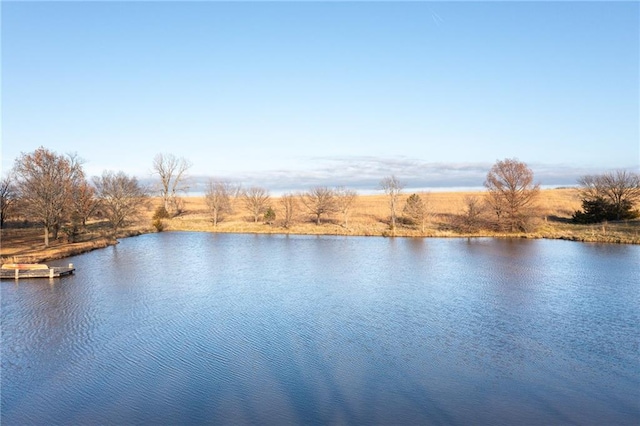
26 245
369 217
371 210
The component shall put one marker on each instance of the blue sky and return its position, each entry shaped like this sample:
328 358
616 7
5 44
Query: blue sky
290 94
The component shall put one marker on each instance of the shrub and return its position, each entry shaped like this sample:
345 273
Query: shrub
269 216
600 210
160 213
158 224
470 220
415 212
609 196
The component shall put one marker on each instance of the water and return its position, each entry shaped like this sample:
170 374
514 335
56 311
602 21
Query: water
192 328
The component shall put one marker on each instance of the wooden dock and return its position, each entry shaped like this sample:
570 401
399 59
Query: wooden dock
49 272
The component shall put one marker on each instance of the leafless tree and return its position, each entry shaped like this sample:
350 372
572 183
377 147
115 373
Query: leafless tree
44 183
84 203
345 198
8 198
512 193
319 201
289 206
218 197
416 210
393 188
173 174
256 201
77 183
121 197
619 189
470 218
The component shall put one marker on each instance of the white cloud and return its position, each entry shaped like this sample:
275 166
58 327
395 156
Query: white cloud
364 173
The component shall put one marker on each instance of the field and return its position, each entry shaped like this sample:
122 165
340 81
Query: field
368 217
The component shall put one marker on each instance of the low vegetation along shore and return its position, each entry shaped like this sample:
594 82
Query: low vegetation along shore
369 216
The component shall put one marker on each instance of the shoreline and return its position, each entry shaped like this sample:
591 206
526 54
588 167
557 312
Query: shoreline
23 243
75 249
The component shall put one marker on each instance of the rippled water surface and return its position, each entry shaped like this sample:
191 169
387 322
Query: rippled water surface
192 328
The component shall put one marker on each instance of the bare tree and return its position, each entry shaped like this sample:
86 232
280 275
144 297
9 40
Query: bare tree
121 197
8 198
256 201
289 205
416 210
471 215
77 183
344 201
618 191
393 188
84 203
512 193
45 182
319 201
173 173
218 197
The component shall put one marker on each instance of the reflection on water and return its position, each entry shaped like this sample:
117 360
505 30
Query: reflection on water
178 328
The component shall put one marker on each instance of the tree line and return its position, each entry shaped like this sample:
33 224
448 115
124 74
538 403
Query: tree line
320 202
53 191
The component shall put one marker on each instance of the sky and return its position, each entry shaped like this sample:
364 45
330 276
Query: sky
298 94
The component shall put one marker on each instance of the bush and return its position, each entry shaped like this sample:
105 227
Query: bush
471 219
158 224
413 210
600 210
269 216
160 213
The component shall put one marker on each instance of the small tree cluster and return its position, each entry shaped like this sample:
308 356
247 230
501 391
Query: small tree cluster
121 197
256 201
609 196
471 218
218 197
172 172
52 190
45 184
85 203
323 201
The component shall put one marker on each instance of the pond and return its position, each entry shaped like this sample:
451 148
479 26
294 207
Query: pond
193 328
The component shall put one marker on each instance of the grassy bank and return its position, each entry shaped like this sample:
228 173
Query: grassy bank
368 217
25 245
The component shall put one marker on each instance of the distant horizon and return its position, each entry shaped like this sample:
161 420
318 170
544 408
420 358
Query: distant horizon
365 173
406 191
433 180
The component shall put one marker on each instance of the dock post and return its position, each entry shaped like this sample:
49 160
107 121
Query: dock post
50 273
17 274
